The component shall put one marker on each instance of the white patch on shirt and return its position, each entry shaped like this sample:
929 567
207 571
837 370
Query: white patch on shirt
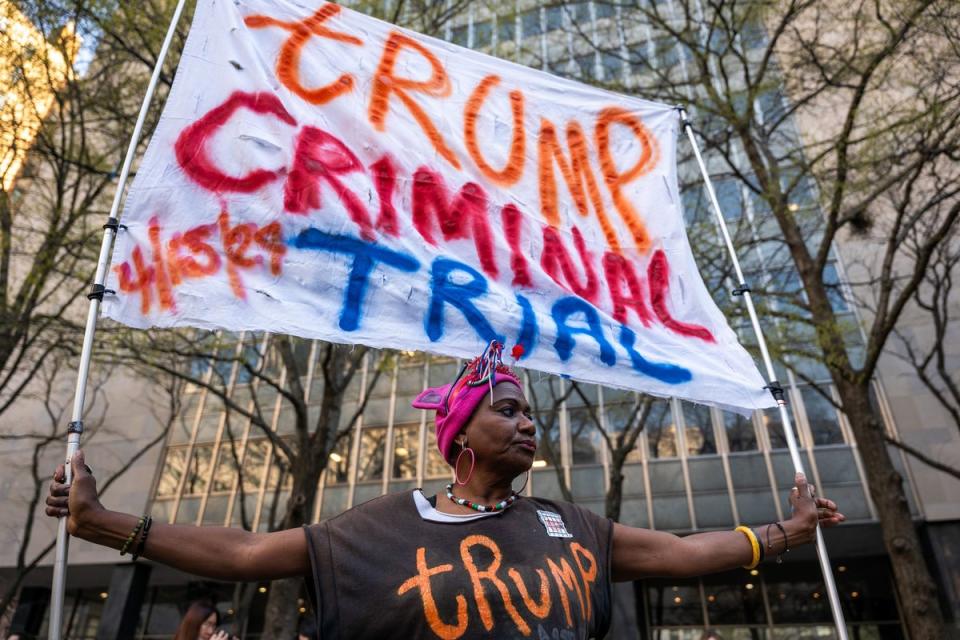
553 523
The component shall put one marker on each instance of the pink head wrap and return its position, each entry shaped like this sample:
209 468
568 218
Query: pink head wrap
456 401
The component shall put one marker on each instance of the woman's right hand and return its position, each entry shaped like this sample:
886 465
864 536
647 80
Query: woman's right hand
76 501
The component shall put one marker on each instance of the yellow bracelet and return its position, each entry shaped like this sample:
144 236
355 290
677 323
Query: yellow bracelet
754 545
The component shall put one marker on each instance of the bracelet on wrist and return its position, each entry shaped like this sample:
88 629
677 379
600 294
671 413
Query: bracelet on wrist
141 545
133 535
754 546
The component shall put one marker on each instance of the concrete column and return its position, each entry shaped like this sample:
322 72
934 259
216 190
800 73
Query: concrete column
128 586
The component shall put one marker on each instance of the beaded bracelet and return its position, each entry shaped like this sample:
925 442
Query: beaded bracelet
754 546
143 539
786 543
133 535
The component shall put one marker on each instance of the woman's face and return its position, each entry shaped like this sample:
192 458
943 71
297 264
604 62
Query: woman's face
502 435
208 627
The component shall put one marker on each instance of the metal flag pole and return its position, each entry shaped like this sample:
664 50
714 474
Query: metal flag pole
773 385
75 428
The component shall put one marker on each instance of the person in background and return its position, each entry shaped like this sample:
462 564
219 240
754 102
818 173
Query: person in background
200 623
308 630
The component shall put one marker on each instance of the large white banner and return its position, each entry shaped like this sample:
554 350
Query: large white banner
321 173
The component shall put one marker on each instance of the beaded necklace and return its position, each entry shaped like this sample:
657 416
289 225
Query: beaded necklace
500 506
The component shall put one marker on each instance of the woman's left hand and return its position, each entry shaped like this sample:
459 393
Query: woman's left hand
808 512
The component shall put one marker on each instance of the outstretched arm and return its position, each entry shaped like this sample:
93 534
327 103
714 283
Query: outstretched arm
221 553
640 553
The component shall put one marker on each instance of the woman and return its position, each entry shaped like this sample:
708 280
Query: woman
478 562
200 623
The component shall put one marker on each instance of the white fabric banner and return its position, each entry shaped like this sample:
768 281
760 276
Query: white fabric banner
321 173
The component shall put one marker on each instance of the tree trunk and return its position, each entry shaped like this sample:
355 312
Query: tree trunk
914 584
614 498
281 617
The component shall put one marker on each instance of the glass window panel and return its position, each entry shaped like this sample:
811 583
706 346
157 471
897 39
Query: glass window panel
254 458
442 371
210 422
698 429
612 66
286 419
548 438
796 594
372 447
554 17
215 511
821 416
338 464
458 35
410 380
482 34
661 431
770 420
406 445
584 437
244 508
734 598
706 474
586 483
713 510
334 501
226 469
530 23
187 511
585 64
617 417
173 468
436 466
376 412
831 280
741 435
605 9
366 492
199 470
279 473
506 29
183 427
160 510
866 590
675 603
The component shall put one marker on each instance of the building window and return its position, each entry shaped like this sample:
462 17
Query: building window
698 429
254 462
734 598
661 431
612 65
554 18
506 29
821 416
370 460
482 34
436 466
338 464
198 471
458 35
674 603
585 64
770 419
173 468
405 447
530 23
741 435
584 436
